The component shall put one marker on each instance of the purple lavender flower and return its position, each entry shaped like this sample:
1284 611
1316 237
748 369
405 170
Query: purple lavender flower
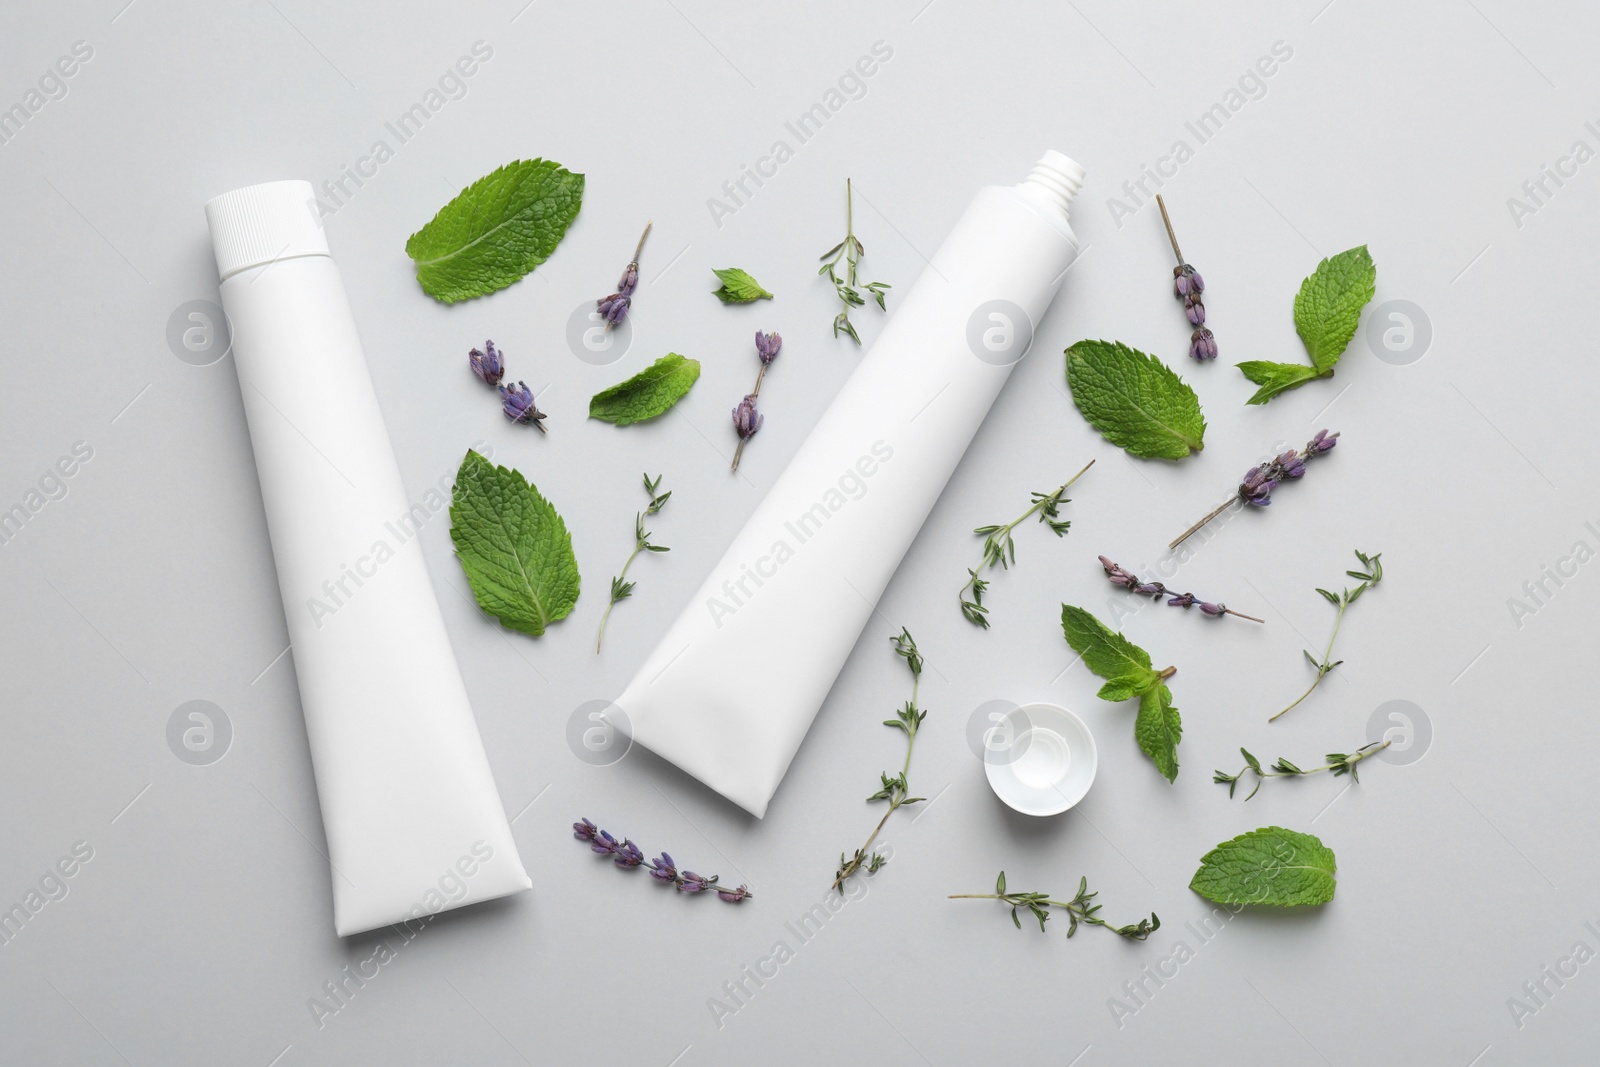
733 896
1323 442
1291 464
1257 488
584 831
602 843
1182 600
694 883
1202 344
1117 574
1149 589
1186 280
1195 310
614 308
746 419
1214 610
487 364
768 345
517 402
628 855
663 869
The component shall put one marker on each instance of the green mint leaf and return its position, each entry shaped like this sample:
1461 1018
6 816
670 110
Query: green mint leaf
1158 729
1108 654
1328 307
1275 378
648 393
738 287
1125 687
514 548
1134 400
498 229
1267 866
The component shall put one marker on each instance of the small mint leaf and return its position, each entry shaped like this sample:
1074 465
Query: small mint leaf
1108 654
738 287
1327 309
1158 729
1275 378
1125 687
647 394
1267 866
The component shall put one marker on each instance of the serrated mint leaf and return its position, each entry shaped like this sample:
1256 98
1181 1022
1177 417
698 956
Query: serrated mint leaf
1327 311
1271 865
738 287
497 230
1126 687
1274 378
648 393
1134 400
513 546
1106 653
1328 307
1158 729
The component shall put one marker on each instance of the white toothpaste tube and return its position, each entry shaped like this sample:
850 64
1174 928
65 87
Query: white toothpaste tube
413 820
733 686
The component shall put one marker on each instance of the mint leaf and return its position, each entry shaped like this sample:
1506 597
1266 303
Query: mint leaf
1158 730
1126 668
1274 378
1108 654
1134 400
648 393
1267 866
513 546
738 287
1328 307
1125 687
497 230
1327 311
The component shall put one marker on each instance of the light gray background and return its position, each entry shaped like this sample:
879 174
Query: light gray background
203 923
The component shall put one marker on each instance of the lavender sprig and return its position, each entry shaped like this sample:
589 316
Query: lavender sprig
746 419
614 308
621 589
896 790
1187 285
1369 578
1130 581
1338 763
627 855
1259 482
517 402
1079 909
999 550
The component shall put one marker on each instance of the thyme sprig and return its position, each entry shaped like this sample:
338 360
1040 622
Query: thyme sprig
1369 578
849 251
1338 763
621 588
896 790
1000 550
1079 909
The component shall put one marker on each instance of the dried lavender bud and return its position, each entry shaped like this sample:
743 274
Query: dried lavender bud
603 844
487 364
768 346
663 869
1259 481
746 421
1195 310
584 830
614 308
694 883
517 403
733 896
628 855
1119 575
1202 345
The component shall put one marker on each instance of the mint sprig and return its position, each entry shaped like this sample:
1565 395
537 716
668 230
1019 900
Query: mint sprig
738 287
1282 868
1327 311
647 394
1134 400
513 546
497 230
1128 673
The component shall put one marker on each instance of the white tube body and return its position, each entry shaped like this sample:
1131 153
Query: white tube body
414 823
732 688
